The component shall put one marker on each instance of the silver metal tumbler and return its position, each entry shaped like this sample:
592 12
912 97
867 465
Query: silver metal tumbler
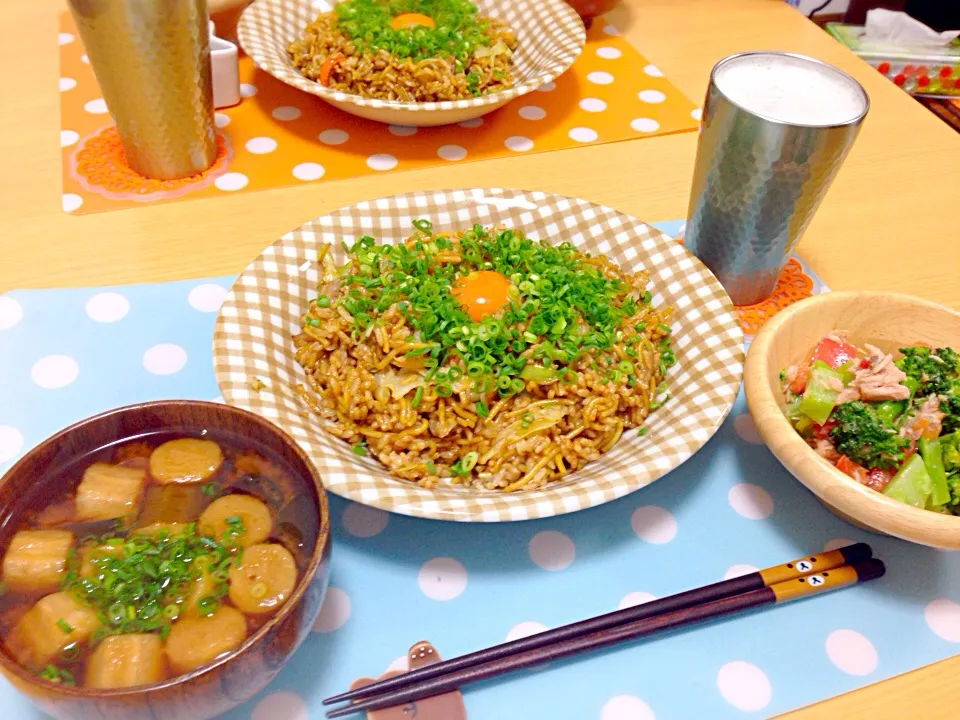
152 61
775 129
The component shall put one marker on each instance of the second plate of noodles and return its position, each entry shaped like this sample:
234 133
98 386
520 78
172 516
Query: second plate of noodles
482 355
407 50
413 62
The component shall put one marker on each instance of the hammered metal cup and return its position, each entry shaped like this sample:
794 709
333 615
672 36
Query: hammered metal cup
152 61
757 184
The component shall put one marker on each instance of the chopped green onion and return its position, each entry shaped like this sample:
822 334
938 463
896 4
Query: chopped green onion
323 301
482 409
51 673
359 449
559 307
64 626
417 397
464 465
207 605
642 430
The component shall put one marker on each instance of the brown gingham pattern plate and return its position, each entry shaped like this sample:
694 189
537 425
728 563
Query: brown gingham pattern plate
550 36
252 341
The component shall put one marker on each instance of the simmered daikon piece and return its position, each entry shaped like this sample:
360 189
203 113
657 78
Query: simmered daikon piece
91 551
236 520
172 504
185 460
264 579
193 642
36 560
55 622
122 661
109 491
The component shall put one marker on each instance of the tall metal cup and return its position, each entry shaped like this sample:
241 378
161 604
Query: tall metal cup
775 129
152 61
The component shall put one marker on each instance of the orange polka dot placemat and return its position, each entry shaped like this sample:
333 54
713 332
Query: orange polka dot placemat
279 136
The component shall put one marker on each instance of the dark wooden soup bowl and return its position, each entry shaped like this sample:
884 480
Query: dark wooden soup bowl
230 681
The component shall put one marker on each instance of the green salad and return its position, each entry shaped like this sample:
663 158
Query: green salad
892 424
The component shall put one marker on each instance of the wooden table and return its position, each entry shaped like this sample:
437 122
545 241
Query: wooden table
885 224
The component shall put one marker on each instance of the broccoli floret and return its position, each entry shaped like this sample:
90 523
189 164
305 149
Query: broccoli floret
936 372
864 438
950 449
950 404
953 485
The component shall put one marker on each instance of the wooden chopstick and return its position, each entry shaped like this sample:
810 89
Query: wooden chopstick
848 555
777 593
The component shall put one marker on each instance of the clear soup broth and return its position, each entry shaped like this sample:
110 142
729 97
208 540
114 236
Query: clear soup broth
165 553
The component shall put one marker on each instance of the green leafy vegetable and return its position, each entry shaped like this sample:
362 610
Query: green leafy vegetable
932 455
912 484
819 398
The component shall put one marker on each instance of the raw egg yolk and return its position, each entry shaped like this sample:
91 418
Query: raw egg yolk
481 293
410 19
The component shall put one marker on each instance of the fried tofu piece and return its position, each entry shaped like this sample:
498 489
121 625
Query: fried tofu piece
108 491
36 560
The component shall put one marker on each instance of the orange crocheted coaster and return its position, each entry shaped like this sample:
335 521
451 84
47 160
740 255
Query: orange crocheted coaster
100 165
794 284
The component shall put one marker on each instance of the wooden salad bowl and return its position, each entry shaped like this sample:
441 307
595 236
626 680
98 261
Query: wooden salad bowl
889 321
226 683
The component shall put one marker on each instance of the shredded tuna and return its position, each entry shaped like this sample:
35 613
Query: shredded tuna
927 420
848 394
878 480
791 374
826 449
881 379
835 384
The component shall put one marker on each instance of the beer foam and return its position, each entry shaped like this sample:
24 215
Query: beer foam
790 89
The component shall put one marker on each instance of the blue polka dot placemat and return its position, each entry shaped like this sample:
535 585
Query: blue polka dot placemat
66 354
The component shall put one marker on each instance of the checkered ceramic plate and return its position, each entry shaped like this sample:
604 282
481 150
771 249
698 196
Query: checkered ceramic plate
550 35
252 340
